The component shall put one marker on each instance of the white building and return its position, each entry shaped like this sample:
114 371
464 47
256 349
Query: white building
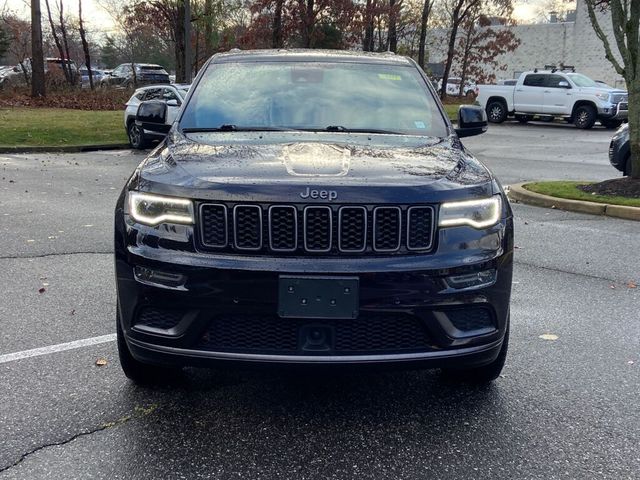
569 43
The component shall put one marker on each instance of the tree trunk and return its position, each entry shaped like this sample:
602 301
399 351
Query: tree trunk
393 20
276 41
306 28
37 56
66 60
634 125
424 19
179 44
450 52
85 45
367 44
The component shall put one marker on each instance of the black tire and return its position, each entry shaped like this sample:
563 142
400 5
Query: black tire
524 118
611 124
481 375
584 117
497 111
136 136
139 372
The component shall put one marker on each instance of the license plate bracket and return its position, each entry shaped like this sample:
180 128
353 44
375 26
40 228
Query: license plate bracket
301 296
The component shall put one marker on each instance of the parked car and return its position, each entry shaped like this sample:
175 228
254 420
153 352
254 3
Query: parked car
572 96
18 75
312 208
95 73
620 151
172 95
145 74
455 87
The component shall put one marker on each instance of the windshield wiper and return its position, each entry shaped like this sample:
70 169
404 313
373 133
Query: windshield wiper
229 127
340 128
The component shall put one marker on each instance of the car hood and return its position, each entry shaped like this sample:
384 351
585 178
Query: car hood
271 163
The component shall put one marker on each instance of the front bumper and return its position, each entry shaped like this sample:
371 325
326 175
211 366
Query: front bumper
614 111
203 309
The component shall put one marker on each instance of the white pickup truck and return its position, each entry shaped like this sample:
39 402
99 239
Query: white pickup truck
548 94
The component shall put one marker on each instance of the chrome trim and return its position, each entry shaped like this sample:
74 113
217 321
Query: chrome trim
226 225
295 229
235 228
399 230
304 228
364 247
431 228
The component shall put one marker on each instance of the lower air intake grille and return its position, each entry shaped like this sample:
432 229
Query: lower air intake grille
158 318
369 333
471 319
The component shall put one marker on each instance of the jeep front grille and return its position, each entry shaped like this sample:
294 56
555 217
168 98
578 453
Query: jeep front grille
316 229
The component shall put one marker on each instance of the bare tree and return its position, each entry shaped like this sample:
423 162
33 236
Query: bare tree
56 39
424 20
37 55
85 45
625 20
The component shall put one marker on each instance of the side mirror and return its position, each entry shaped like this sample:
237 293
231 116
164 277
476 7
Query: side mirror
152 115
172 103
564 84
472 120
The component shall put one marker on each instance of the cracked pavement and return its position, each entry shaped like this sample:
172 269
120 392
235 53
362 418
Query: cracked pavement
563 409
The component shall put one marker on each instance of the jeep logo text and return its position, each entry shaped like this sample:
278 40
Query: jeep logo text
324 194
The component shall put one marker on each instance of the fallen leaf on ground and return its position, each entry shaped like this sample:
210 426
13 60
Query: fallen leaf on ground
101 362
630 362
73 312
632 285
42 290
548 336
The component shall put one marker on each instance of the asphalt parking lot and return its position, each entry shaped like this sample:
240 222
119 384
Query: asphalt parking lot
566 406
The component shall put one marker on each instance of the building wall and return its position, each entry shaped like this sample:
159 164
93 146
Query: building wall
570 43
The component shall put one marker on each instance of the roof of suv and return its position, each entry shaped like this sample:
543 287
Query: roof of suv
237 55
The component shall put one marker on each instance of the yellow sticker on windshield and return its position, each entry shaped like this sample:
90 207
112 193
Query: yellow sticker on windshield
389 76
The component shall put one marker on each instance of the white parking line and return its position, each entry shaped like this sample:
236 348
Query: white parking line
61 347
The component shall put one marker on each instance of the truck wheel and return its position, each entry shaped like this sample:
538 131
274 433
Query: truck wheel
139 372
584 117
611 124
524 118
497 112
136 136
480 375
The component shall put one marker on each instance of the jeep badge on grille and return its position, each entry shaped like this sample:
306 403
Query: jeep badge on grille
324 194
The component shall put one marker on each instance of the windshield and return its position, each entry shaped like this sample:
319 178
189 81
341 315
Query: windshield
582 80
314 96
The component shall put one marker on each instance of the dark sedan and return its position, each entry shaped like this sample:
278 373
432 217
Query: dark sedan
619 151
145 74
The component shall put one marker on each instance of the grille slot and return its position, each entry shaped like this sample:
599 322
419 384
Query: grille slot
283 228
318 229
247 227
214 225
471 319
369 333
386 229
352 229
419 228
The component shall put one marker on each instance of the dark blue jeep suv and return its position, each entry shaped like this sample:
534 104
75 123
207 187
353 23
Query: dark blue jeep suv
313 208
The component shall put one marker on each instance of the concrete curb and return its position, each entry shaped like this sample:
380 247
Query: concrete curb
65 148
519 193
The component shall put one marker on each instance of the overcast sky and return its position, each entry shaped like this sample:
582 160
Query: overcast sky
98 20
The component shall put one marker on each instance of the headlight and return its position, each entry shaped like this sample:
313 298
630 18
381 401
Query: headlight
603 96
475 213
155 209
